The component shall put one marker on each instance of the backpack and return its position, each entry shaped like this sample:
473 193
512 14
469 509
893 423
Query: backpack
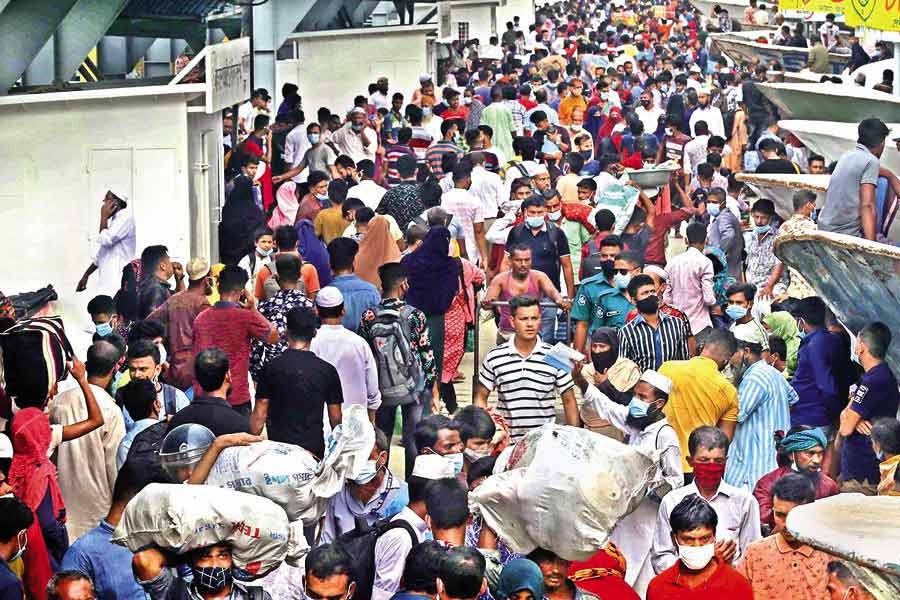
359 543
400 375
144 452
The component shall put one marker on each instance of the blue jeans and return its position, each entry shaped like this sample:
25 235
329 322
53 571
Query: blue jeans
548 324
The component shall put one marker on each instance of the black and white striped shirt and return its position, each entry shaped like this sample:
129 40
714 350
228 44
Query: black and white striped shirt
648 347
526 385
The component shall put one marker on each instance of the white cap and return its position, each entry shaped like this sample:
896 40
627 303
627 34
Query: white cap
118 190
657 271
424 77
6 449
660 382
695 69
329 297
703 90
749 333
357 110
432 466
538 169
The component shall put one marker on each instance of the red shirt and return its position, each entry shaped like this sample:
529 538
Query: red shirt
724 583
231 328
763 491
656 246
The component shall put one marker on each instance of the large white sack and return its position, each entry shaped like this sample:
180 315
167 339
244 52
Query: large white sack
563 489
291 476
183 517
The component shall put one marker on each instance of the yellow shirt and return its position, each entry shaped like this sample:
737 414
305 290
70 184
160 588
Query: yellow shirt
330 224
700 396
887 468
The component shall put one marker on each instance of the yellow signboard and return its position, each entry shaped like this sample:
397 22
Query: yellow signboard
874 14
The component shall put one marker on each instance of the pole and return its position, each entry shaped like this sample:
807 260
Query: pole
897 68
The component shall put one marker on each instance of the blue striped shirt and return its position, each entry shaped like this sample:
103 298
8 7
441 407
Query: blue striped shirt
764 407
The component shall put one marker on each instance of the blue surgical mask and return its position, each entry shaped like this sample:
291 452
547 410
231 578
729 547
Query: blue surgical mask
761 229
534 222
103 329
456 461
322 197
622 281
367 473
735 313
357 128
713 209
555 215
313 138
637 408
814 215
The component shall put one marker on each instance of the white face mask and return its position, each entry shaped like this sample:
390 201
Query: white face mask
474 455
163 355
22 546
367 473
696 557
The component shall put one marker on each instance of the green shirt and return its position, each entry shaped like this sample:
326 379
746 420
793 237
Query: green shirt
600 304
577 236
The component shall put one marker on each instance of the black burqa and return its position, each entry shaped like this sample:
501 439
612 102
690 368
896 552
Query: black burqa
240 220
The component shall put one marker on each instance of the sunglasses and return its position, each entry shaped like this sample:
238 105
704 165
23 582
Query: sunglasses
622 271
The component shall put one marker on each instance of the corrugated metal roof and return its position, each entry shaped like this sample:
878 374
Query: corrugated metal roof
172 8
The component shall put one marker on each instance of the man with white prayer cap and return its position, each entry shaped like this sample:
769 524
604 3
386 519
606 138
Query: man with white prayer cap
115 244
355 138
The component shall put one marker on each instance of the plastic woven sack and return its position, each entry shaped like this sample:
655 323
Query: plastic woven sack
291 476
183 518
563 489
621 200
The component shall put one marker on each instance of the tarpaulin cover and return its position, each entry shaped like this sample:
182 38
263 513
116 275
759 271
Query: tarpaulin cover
563 489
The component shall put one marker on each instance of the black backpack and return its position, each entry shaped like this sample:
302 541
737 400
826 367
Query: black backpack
359 543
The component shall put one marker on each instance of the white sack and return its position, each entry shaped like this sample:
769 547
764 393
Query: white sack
183 518
563 489
291 476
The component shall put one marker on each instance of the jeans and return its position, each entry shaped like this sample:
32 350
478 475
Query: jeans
386 416
548 324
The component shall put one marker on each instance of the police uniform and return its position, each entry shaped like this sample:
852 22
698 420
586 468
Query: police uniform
600 304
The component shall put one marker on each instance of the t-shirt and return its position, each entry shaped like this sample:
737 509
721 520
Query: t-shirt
319 158
229 327
330 223
213 413
10 585
777 165
841 211
298 384
875 397
547 248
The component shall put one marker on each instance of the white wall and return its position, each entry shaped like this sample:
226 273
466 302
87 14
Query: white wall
330 69
65 154
510 8
481 19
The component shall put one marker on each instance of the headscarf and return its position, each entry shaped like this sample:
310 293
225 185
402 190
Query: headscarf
721 280
214 271
376 248
313 250
521 575
240 219
285 212
803 440
603 575
612 119
605 335
433 274
783 325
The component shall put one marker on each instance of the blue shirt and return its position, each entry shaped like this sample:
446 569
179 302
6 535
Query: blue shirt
874 398
764 401
10 586
125 444
108 565
359 296
815 381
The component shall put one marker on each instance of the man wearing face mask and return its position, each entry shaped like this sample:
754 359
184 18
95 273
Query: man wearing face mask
437 434
600 301
15 519
144 362
761 259
317 197
745 326
698 572
737 510
356 139
477 431
648 113
764 401
652 337
646 428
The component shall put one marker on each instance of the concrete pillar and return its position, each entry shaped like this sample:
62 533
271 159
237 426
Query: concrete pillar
25 27
111 56
80 31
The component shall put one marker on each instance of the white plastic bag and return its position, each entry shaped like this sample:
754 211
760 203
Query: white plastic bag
621 200
183 518
291 476
563 489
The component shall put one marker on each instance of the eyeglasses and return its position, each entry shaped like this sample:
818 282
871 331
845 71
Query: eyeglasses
622 271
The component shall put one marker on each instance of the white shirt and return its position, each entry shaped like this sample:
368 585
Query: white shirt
713 117
391 551
355 364
462 204
649 117
379 100
604 180
368 192
348 142
112 249
487 187
87 465
295 146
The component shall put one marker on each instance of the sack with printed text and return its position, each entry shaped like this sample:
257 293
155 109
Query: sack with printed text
183 518
620 200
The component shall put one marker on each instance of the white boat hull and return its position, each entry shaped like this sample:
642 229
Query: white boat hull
742 49
831 139
780 189
831 102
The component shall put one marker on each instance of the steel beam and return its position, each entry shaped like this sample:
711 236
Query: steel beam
25 27
80 31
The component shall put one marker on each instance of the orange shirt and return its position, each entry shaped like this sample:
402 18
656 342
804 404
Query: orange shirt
307 272
776 571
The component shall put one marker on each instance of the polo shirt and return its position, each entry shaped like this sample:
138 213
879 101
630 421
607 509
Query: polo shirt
874 398
547 247
700 396
600 304
213 413
725 582
526 385
776 570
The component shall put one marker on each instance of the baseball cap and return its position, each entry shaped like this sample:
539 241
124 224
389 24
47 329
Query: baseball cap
197 268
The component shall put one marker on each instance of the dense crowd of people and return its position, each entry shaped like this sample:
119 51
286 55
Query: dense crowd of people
358 251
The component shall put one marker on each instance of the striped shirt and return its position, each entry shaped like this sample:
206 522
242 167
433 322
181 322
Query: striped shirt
764 407
650 347
526 385
437 152
420 141
393 154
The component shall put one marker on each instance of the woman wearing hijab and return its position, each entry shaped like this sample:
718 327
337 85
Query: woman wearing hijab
285 212
521 579
782 324
619 375
721 282
240 219
313 250
442 288
376 248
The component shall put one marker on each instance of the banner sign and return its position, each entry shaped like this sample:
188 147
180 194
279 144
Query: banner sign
874 14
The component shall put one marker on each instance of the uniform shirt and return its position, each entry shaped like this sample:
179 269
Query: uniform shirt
700 396
112 249
355 364
106 564
526 385
649 347
776 570
738 514
874 398
764 401
725 582
600 304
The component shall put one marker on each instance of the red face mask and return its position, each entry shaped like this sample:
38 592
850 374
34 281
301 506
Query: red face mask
708 475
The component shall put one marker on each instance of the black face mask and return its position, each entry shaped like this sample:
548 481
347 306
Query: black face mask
645 103
648 305
608 268
603 360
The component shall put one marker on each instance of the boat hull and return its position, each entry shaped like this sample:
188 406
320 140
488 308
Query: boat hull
740 49
780 189
830 102
831 139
